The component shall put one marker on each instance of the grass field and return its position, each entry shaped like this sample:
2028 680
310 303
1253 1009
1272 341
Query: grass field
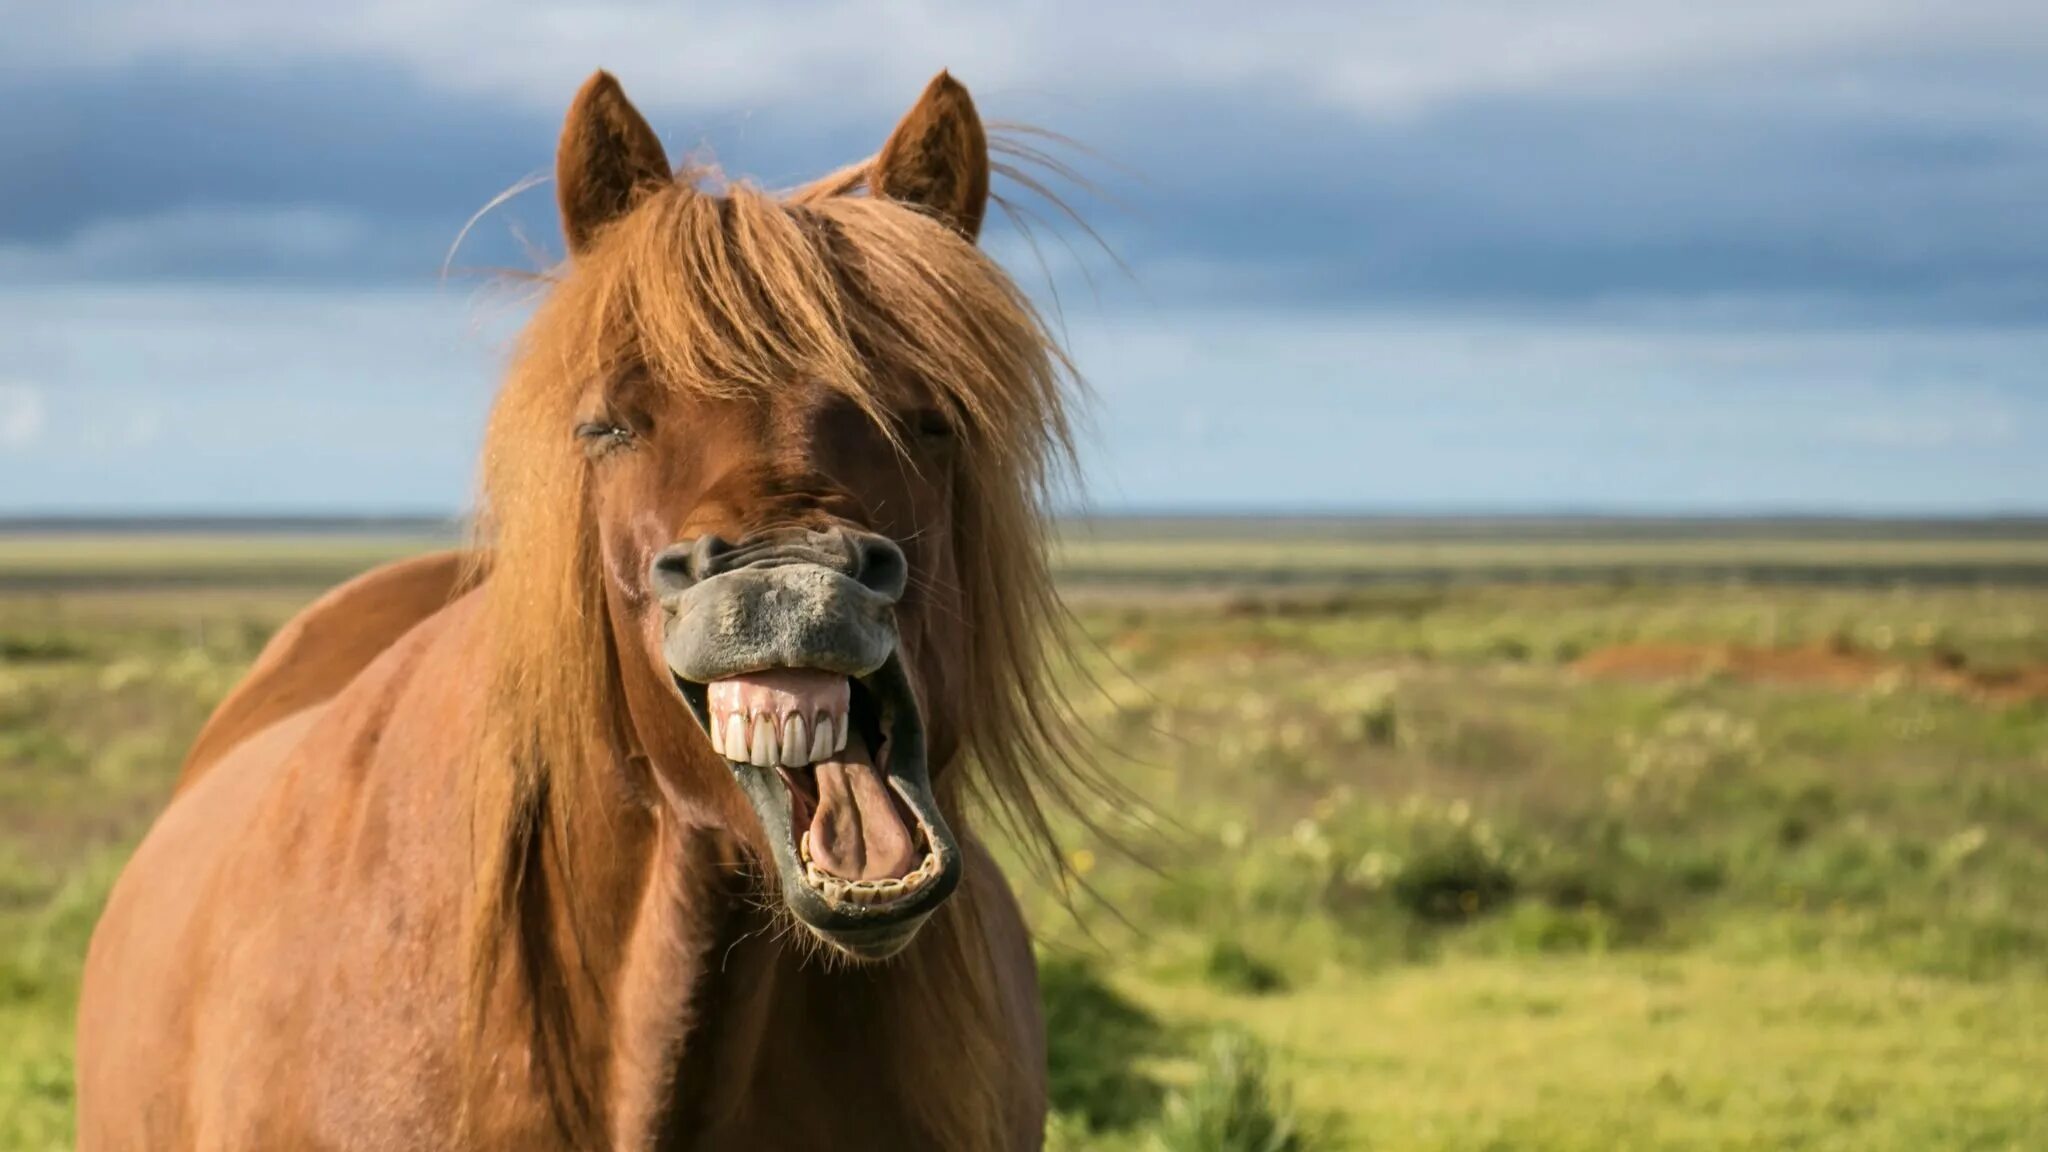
1437 877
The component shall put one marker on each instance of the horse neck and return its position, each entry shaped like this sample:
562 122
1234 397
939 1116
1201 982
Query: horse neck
620 906
682 988
706 998
692 892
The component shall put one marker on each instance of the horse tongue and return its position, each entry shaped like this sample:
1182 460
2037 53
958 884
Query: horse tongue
857 833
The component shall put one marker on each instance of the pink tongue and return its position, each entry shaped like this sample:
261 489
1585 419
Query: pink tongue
857 832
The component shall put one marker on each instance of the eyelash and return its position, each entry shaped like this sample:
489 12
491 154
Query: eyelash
607 436
604 435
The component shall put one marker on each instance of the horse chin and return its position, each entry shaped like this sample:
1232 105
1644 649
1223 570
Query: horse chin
862 853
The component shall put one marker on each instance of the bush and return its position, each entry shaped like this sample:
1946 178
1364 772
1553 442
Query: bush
1513 649
1542 928
1231 967
1453 881
1233 1105
1439 865
39 647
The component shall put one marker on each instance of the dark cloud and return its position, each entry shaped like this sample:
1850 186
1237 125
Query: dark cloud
103 155
1669 192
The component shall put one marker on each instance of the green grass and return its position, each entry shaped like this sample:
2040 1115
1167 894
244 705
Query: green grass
1494 905
44 561
1424 887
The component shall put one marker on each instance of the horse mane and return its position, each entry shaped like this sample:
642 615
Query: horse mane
730 293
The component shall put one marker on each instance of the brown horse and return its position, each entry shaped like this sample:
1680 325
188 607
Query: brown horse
647 828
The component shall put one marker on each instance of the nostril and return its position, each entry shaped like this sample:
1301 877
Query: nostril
671 572
677 567
705 553
880 566
873 561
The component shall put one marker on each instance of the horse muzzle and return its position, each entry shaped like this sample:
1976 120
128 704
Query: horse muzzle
784 647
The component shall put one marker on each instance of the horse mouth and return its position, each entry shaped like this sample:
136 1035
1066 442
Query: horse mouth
834 767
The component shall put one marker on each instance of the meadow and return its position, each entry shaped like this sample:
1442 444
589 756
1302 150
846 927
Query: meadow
1496 838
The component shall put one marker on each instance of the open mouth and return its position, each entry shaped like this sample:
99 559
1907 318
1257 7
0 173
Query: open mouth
834 766
857 838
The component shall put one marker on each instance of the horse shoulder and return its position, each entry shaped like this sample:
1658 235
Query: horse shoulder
317 652
304 857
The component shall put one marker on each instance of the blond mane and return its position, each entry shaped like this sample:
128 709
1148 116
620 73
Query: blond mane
729 294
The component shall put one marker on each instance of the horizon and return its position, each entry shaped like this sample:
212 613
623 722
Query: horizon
31 519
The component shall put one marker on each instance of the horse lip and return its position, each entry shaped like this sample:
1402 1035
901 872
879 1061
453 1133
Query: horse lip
865 932
760 617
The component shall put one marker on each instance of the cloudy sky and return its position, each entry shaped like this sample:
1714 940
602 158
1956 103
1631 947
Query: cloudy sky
1409 254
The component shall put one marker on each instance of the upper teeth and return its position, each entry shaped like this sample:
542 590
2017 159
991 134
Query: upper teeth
787 718
765 740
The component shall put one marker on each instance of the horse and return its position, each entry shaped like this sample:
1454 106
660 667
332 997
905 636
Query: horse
648 819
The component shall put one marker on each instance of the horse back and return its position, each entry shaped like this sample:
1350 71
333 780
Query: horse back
317 652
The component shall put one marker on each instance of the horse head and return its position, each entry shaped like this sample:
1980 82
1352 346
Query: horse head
791 449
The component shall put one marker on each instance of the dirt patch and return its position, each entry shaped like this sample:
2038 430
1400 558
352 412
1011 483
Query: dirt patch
1813 667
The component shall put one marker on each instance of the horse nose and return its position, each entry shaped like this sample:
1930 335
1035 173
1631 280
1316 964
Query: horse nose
686 563
878 564
874 562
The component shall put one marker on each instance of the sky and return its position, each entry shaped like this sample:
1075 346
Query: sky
1408 255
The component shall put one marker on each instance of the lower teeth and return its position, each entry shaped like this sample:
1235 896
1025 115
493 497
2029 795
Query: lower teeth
869 891
864 891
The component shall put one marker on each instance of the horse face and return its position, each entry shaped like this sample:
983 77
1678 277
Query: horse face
786 568
779 560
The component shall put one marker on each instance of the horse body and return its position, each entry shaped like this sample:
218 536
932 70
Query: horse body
292 948
319 650
644 824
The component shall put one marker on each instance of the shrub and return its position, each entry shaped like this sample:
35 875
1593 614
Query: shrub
1453 879
1233 1105
39 647
1541 928
1438 864
1231 967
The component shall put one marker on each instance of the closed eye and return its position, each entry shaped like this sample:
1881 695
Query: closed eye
603 435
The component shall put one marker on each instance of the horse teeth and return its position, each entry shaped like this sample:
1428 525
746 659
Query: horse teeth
865 892
839 734
716 731
821 738
735 737
795 742
765 753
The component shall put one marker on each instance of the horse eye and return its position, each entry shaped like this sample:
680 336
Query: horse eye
603 435
932 423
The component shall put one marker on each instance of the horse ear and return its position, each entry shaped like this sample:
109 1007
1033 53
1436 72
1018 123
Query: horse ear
937 159
608 159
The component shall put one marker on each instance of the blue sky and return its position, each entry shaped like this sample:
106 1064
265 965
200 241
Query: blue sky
1592 254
